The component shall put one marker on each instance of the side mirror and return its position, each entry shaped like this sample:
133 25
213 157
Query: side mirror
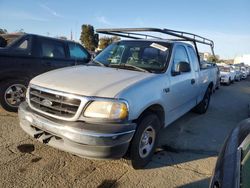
181 67
184 67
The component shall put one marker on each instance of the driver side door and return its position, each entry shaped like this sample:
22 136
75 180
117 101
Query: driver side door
182 84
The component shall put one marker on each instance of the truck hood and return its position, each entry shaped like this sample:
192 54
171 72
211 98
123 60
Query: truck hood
90 80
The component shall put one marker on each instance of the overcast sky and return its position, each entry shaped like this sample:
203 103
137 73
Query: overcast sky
224 21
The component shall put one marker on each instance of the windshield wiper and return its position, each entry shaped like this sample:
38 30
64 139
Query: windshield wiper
128 65
97 62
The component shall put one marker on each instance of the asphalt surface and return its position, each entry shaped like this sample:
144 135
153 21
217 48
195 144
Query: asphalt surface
185 158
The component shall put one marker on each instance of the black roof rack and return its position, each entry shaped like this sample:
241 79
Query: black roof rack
136 33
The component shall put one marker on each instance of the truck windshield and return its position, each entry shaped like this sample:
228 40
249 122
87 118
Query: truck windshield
136 55
224 69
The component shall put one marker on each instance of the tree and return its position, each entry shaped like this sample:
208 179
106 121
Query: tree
213 58
3 31
115 39
88 37
105 41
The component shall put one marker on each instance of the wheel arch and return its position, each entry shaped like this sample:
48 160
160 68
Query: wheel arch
156 109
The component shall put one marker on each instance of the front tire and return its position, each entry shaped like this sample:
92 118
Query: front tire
12 93
145 140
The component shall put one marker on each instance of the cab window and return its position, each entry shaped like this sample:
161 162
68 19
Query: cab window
23 45
52 49
76 52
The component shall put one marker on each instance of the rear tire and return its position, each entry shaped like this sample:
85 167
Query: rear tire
12 93
229 82
145 140
202 107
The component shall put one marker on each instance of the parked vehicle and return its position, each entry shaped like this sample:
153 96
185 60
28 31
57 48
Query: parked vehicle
233 164
238 73
227 74
216 71
248 70
244 72
233 73
119 103
29 56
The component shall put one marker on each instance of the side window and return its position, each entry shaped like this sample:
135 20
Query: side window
76 52
52 49
23 45
180 55
193 57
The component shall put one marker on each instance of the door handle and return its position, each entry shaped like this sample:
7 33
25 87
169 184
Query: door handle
192 81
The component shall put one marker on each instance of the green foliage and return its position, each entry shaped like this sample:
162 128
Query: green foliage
88 37
212 58
3 31
115 39
105 41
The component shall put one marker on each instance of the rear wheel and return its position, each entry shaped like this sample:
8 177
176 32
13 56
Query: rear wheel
233 80
229 82
202 107
145 141
12 93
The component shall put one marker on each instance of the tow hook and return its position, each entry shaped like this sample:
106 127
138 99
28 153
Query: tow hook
38 134
46 138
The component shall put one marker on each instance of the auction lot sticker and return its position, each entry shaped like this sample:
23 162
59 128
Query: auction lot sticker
158 46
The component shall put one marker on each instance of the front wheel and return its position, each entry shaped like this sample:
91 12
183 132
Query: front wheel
145 140
12 93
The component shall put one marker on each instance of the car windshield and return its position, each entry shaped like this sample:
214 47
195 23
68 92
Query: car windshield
224 69
136 55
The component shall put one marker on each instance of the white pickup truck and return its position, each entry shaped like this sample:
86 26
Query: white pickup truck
227 74
119 103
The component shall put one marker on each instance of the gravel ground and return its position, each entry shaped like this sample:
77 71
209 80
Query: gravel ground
186 156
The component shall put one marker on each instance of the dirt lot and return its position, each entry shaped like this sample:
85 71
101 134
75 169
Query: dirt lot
186 158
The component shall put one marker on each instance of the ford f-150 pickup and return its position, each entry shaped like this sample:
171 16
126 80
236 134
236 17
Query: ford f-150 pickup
119 103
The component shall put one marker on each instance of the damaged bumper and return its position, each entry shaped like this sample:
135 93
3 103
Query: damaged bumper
80 138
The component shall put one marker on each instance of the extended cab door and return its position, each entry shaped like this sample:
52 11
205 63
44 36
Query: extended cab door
78 54
183 89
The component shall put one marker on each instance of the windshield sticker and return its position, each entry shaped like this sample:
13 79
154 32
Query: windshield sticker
158 46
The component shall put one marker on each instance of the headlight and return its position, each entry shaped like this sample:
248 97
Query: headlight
107 110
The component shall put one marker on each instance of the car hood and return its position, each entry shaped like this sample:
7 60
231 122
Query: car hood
90 80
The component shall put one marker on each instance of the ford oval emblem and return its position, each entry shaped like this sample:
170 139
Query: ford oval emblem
47 102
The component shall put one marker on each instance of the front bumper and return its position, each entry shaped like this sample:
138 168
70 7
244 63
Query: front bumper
80 138
224 80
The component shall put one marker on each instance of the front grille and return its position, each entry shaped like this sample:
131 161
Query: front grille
54 104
